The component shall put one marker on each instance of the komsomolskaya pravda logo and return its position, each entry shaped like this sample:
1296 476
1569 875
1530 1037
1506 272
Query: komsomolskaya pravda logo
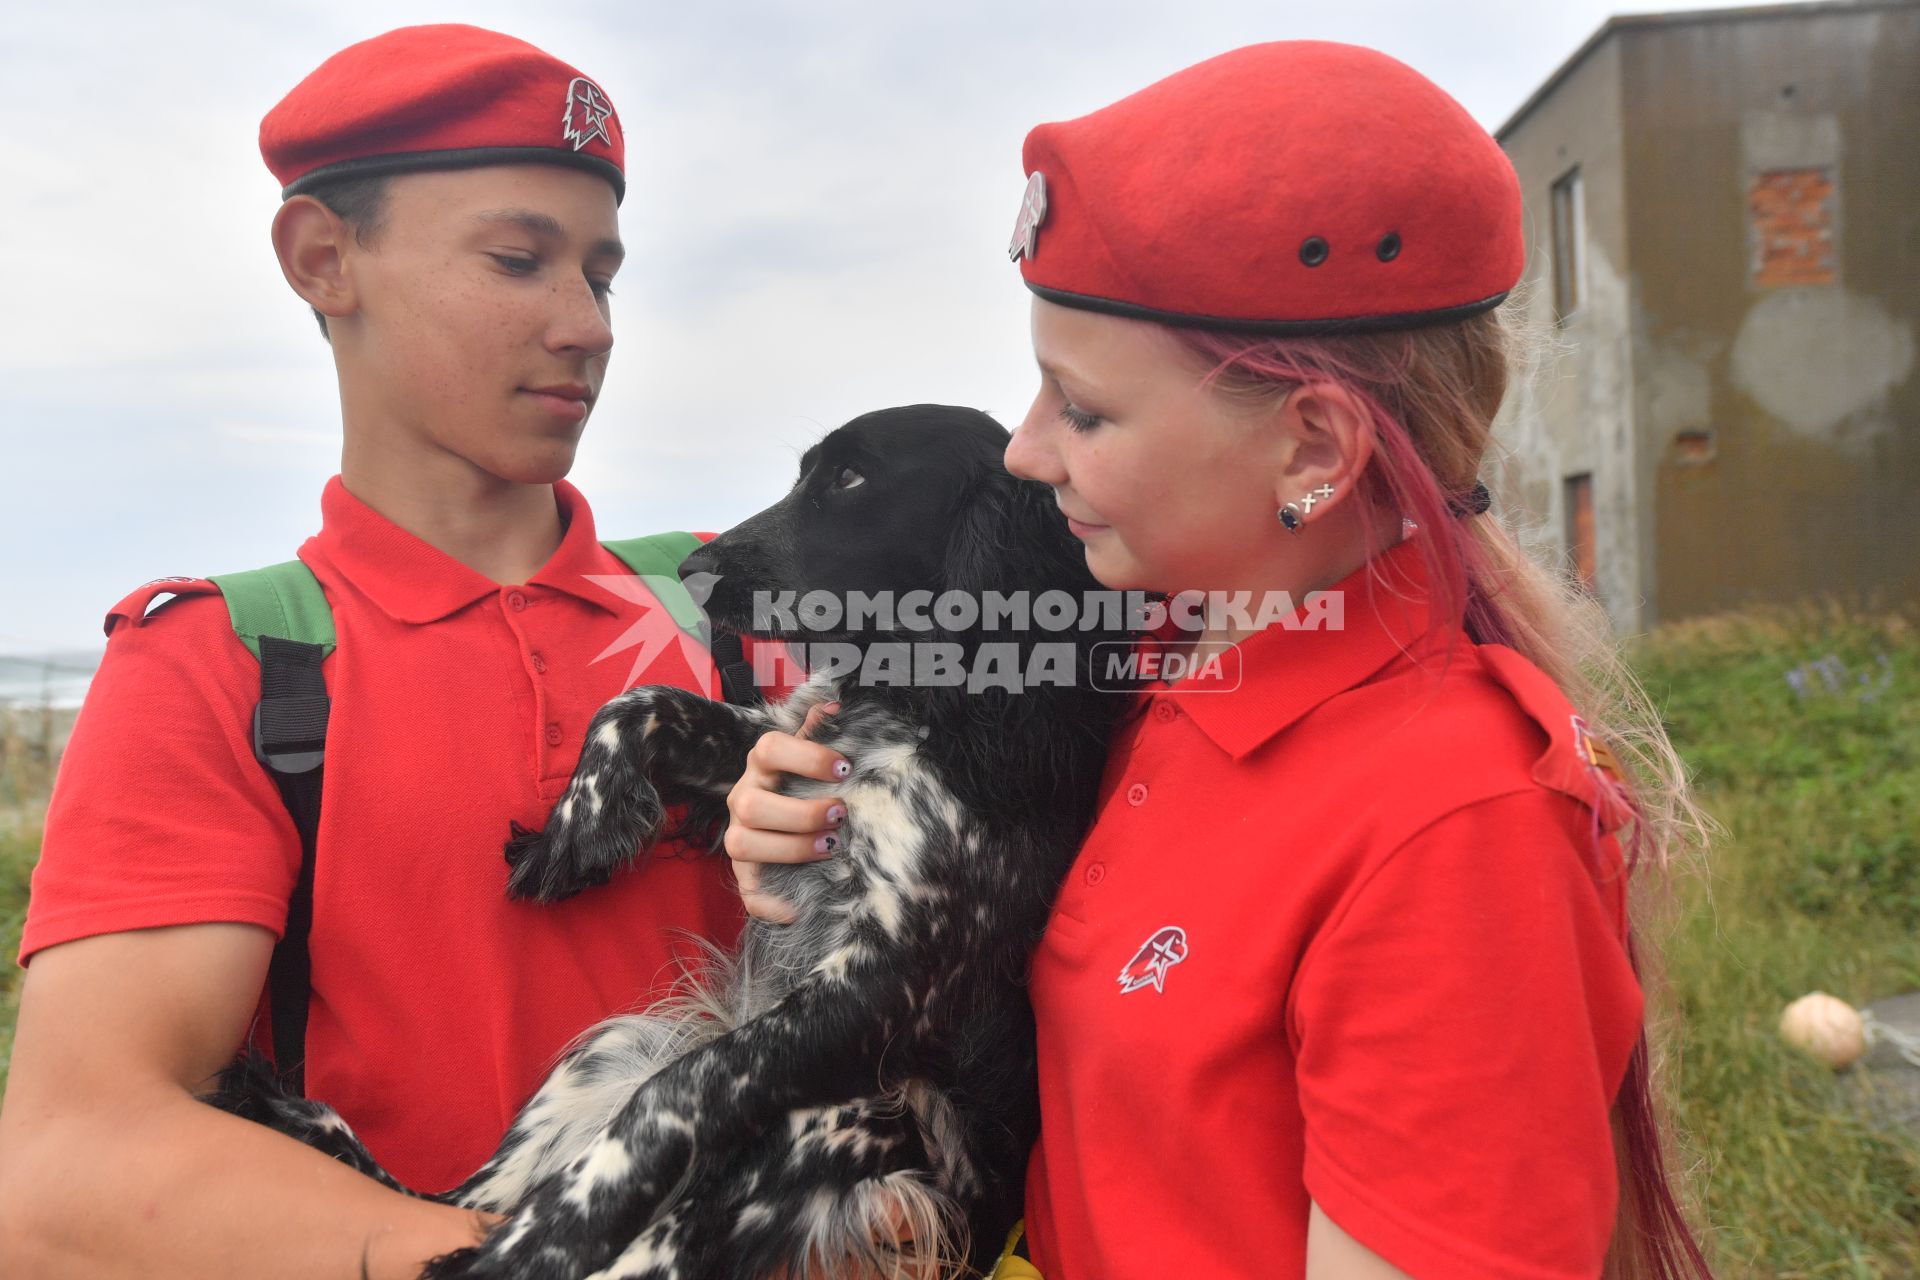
1148 968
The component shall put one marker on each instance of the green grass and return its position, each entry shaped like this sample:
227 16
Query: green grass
19 846
1816 886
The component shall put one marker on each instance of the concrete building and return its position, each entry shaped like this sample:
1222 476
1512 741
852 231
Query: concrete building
1723 226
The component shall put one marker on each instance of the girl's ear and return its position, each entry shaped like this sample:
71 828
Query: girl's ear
311 242
1328 441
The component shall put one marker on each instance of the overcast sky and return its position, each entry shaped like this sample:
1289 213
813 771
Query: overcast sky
819 200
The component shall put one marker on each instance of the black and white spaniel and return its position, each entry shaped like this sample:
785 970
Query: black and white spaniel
870 1067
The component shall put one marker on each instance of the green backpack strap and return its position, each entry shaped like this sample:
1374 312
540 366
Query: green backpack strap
657 559
282 616
281 600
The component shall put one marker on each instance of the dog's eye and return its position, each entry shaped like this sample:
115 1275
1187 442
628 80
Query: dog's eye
848 479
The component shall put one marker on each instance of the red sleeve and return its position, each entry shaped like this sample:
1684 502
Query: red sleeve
1463 1023
160 814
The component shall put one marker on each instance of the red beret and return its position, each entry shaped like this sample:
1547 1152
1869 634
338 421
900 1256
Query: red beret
1295 187
440 97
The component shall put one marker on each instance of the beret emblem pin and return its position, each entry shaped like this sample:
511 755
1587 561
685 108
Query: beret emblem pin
1033 212
587 115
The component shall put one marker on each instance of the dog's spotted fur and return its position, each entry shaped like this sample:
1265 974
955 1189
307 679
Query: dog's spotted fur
869 1067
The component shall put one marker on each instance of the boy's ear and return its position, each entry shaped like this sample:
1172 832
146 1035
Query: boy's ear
311 242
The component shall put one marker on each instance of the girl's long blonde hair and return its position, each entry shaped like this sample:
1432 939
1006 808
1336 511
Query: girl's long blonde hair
1433 395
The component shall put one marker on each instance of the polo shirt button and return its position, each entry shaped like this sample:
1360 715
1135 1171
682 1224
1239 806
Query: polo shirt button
1165 712
539 662
516 601
1137 793
1096 873
553 735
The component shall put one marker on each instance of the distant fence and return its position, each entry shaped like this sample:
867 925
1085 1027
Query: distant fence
31 740
39 700
58 681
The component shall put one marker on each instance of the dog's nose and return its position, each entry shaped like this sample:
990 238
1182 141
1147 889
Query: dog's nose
701 561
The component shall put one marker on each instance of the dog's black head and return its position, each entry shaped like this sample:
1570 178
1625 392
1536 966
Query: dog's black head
918 500
914 499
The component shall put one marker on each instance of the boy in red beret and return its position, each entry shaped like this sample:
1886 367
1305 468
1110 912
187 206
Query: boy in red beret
451 216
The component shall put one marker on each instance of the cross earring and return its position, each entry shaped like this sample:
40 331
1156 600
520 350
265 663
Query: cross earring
1293 514
1324 491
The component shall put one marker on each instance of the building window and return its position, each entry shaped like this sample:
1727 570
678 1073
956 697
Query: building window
1580 541
1569 238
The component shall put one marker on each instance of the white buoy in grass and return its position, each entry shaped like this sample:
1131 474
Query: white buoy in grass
1826 1027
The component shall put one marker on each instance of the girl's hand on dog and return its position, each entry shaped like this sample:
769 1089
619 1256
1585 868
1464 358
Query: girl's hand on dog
769 828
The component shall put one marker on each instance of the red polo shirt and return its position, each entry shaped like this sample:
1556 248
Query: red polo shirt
459 706
1342 932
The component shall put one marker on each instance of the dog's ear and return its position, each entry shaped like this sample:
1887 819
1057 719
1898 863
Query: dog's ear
978 536
1008 535
1022 742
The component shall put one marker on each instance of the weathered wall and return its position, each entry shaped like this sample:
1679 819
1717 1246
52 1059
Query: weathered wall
1773 209
1575 412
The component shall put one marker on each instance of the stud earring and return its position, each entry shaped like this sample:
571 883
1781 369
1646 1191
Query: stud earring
1290 519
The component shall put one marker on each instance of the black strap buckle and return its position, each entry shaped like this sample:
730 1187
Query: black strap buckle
302 755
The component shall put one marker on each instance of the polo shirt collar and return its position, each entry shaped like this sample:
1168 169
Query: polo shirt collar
413 581
1272 678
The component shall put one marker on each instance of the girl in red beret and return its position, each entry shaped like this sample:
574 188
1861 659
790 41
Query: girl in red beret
1344 981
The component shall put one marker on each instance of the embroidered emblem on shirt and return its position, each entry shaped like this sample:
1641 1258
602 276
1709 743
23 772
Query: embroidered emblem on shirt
588 113
1033 212
1150 963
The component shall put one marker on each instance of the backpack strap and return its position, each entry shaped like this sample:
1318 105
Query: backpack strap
657 559
282 600
282 615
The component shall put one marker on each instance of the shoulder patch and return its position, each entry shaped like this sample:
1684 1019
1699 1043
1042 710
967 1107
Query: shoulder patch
1576 762
144 599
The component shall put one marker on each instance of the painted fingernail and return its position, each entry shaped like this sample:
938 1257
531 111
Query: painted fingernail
826 844
841 769
837 814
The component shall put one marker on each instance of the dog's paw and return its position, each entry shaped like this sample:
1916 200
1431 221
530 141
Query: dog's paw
461 1264
521 1249
589 835
481 1263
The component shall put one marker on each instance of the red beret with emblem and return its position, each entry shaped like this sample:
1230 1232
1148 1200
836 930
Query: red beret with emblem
1295 187
440 97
